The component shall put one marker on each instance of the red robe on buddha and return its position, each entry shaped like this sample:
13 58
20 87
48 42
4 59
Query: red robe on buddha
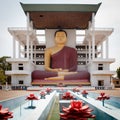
65 59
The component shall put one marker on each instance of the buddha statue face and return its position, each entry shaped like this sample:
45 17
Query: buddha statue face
60 38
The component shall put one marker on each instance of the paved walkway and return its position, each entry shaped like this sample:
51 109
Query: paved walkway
4 95
115 92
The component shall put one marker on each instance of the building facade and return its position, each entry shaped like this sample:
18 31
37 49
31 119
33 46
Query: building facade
91 43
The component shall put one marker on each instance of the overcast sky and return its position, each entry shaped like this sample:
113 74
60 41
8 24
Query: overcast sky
12 15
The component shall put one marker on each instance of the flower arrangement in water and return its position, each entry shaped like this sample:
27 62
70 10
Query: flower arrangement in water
42 94
103 97
48 90
76 111
84 93
31 97
67 96
5 114
76 89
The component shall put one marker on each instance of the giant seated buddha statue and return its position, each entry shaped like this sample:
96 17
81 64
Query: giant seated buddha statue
60 61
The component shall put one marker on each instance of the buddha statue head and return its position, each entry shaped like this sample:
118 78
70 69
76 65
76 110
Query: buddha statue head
60 37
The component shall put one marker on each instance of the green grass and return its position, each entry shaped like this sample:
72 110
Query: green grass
54 113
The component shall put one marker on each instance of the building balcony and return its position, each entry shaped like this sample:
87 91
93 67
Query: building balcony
103 72
11 60
17 72
103 60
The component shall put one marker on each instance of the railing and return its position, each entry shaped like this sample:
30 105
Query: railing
17 28
103 87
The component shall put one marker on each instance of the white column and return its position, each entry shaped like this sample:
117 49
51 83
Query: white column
101 50
93 36
14 48
31 50
27 35
89 50
107 50
89 24
86 54
35 53
19 50
31 24
93 46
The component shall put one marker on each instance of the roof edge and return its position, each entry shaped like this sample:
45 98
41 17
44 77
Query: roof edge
60 7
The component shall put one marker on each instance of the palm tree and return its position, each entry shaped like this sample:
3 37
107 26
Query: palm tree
4 65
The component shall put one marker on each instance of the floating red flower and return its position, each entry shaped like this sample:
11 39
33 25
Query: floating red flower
76 111
67 96
48 90
103 97
76 90
84 93
41 85
42 94
5 114
31 97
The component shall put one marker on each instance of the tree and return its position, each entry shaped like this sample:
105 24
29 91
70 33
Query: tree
118 72
4 65
3 77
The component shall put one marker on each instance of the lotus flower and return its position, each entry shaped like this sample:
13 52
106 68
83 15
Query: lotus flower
76 90
41 85
76 111
5 114
67 96
48 90
31 97
42 94
103 97
84 93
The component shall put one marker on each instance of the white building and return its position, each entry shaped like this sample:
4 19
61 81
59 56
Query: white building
42 21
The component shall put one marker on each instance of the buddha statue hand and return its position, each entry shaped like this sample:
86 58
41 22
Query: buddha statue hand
59 70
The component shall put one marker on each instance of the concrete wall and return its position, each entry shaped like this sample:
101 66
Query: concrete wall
95 79
26 78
